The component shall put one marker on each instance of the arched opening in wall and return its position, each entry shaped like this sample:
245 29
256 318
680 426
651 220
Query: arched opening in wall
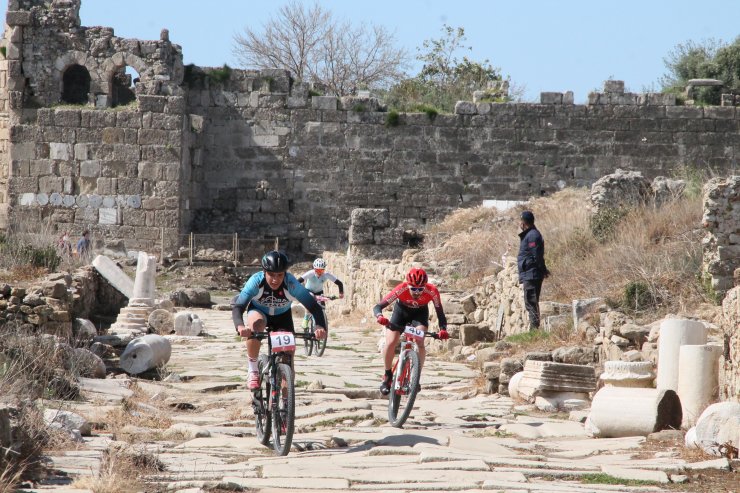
124 86
76 85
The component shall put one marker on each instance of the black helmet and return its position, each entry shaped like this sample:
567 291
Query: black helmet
527 217
275 261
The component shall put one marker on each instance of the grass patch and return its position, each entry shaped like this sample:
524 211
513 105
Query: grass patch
530 337
301 383
342 348
351 385
392 119
602 478
121 471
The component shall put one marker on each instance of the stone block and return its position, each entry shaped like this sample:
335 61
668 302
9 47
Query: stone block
60 151
324 103
551 98
542 376
378 218
614 86
470 333
18 18
465 108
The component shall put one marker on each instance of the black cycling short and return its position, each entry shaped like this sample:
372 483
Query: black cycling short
403 316
283 321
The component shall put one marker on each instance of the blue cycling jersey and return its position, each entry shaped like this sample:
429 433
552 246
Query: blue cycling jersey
258 295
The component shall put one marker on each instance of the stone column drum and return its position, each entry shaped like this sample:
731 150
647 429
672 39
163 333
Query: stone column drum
698 380
145 353
675 333
623 412
636 374
146 271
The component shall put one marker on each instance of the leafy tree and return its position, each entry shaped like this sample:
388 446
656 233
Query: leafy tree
710 59
444 78
316 47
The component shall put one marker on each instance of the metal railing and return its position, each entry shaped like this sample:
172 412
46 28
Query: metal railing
196 247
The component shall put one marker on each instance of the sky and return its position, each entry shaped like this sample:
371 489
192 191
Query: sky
542 45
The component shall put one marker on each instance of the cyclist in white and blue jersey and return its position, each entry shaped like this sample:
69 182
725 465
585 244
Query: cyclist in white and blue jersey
267 297
314 281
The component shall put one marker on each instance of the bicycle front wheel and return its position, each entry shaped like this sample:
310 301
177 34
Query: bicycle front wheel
260 400
307 341
403 389
283 410
321 344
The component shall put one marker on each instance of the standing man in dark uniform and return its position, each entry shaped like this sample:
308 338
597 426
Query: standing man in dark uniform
531 264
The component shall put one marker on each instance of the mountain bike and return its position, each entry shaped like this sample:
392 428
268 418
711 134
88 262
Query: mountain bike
274 401
319 345
406 373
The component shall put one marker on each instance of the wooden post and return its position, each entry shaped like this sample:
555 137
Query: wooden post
191 248
236 247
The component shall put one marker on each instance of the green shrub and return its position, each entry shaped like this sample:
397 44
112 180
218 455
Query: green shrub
359 108
637 296
393 119
220 75
313 93
604 223
44 257
430 110
4 51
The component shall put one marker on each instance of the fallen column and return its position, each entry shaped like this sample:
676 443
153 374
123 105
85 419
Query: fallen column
675 333
623 412
698 380
145 353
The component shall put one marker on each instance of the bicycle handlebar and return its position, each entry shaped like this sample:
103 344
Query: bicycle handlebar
433 335
299 335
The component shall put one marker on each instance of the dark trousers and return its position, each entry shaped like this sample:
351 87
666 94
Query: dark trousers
532 301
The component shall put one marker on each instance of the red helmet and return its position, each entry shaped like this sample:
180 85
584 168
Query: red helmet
416 277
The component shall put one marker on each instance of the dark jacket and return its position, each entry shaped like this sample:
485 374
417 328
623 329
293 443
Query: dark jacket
531 258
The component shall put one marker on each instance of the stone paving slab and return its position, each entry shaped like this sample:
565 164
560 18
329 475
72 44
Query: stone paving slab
451 441
321 483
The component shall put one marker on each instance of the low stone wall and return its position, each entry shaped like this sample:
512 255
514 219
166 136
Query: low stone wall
722 222
52 306
730 360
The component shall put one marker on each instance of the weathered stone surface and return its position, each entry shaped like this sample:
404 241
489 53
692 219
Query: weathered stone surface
542 376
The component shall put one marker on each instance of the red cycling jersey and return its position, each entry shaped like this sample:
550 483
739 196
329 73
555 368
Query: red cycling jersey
401 294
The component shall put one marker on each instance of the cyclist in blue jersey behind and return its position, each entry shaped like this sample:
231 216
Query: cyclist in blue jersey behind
266 297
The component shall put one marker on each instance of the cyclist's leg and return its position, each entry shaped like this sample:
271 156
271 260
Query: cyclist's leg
256 322
420 320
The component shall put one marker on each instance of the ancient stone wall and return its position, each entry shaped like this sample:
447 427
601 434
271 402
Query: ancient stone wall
253 152
722 240
730 359
114 172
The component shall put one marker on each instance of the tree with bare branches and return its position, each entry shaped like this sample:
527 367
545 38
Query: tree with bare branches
316 47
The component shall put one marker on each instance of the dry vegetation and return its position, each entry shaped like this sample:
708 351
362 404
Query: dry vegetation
651 261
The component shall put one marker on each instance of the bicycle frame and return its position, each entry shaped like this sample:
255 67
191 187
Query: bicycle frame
406 343
269 405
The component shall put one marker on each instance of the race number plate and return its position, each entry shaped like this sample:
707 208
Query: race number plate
282 341
414 333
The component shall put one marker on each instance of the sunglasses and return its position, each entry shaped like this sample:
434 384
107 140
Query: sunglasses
416 290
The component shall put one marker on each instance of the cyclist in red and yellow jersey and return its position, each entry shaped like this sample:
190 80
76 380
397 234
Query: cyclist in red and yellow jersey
412 297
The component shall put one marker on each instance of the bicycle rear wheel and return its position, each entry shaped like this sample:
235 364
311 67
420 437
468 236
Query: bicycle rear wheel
260 400
308 342
321 344
403 389
283 410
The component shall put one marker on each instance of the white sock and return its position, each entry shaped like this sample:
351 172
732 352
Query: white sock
253 364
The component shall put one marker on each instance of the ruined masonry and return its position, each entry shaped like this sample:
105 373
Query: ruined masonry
84 144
